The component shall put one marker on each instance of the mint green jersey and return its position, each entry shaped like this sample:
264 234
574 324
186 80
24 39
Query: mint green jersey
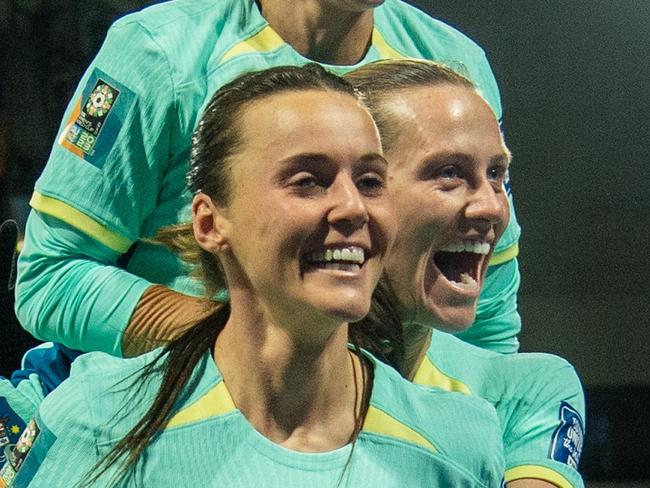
411 436
538 398
116 172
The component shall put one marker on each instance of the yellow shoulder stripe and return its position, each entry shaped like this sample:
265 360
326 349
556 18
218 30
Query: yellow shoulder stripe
385 51
379 422
216 401
264 41
537 472
506 255
429 375
80 221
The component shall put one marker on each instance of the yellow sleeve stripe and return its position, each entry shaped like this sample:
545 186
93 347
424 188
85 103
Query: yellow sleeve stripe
506 255
80 221
264 41
429 375
217 401
539 473
385 51
379 422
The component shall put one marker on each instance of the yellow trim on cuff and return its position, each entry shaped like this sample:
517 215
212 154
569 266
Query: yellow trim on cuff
379 422
429 375
506 255
216 401
264 41
385 51
537 472
80 221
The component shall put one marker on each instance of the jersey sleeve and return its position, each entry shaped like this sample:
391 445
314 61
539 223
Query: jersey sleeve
58 448
544 433
105 170
69 289
101 182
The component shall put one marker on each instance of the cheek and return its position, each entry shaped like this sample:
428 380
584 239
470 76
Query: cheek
383 222
424 215
505 215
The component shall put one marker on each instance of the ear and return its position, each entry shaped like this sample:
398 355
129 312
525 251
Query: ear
211 227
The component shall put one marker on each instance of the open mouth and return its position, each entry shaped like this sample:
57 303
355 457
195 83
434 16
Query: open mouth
462 262
349 258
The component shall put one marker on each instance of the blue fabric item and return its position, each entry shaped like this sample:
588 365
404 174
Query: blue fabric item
51 364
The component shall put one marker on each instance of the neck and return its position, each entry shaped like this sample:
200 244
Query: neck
319 31
291 390
416 340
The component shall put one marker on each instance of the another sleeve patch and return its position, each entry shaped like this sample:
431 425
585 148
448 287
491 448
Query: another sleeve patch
568 438
97 118
29 453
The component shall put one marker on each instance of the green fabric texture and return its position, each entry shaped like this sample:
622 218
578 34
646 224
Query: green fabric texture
527 390
86 416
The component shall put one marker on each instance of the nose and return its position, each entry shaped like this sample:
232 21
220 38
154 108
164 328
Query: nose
348 207
486 205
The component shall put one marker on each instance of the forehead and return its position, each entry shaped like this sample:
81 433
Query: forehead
444 118
307 121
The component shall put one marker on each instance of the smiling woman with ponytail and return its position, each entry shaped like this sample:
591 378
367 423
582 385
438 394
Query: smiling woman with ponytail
290 215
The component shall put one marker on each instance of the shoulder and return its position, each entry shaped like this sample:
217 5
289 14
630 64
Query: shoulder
168 23
416 403
97 388
440 421
547 371
428 30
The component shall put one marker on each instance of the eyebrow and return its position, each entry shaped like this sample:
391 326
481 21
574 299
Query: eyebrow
464 158
505 158
321 158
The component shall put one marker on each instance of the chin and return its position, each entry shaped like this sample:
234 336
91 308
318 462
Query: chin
448 319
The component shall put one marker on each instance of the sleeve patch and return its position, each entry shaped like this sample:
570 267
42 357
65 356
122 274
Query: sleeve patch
97 118
568 438
11 425
14 454
29 453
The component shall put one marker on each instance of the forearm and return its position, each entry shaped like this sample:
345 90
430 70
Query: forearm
160 316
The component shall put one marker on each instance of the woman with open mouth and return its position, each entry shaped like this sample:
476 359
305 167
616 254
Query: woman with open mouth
448 165
291 215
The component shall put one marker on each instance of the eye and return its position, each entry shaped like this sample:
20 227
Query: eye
497 173
448 172
305 183
371 184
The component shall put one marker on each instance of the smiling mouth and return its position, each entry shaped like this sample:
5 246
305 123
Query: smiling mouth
462 262
349 258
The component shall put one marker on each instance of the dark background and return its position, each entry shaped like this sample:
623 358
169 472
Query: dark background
574 78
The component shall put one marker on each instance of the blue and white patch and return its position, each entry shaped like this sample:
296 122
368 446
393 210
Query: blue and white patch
568 438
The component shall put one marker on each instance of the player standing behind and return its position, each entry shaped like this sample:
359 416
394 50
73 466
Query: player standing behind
87 277
447 166
291 215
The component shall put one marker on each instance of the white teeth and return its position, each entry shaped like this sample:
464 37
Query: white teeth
351 254
468 246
